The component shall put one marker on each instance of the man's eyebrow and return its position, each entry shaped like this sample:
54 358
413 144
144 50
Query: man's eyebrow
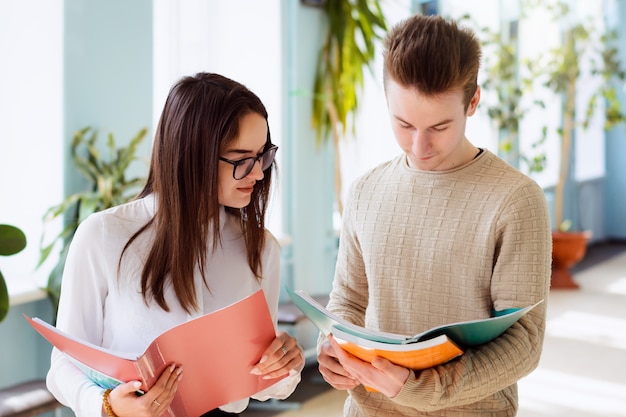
441 123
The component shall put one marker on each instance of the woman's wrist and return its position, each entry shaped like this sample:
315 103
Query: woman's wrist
107 410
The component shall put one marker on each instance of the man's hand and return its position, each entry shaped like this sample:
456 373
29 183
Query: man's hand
332 371
381 375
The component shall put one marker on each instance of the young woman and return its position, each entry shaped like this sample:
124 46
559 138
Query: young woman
193 242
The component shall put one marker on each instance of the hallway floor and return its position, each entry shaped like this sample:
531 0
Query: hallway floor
582 372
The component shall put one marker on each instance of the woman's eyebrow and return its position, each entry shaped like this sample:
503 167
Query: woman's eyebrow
245 151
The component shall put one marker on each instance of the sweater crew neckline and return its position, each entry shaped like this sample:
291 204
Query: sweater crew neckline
405 163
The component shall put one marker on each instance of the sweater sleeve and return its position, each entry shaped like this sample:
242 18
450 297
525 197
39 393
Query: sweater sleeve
521 277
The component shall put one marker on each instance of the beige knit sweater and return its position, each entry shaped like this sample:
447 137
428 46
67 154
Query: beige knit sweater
420 249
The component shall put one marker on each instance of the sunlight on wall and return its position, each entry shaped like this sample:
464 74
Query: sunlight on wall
31 120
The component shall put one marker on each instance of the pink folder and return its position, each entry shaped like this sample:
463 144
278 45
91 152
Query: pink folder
217 352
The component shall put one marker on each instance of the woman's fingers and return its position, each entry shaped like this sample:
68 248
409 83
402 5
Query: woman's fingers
125 401
280 357
163 391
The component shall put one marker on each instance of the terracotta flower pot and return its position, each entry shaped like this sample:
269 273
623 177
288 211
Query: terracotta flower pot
568 248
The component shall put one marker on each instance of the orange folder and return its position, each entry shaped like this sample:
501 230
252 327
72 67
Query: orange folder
420 355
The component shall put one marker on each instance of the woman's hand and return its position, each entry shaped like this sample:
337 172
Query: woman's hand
125 403
281 357
381 375
332 370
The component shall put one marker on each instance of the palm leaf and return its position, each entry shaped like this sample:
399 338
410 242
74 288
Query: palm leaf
349 47
107 187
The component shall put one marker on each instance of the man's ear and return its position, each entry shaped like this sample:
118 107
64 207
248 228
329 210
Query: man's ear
473 104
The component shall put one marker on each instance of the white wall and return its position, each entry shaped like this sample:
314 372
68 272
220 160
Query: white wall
31 123
590 145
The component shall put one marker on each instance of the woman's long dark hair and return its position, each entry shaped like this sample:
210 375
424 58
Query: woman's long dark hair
200 119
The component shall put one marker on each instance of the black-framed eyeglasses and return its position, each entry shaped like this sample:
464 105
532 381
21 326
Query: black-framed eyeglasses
242 167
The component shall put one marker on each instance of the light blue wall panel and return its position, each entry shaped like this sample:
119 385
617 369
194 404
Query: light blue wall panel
309 170
108 72
615 190
25 354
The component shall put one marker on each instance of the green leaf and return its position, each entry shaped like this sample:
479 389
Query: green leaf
106 177
565 225
53 287
4 298
346 52
44 253
12 240
64 236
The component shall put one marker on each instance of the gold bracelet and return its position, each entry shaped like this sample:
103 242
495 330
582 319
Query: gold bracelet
107 404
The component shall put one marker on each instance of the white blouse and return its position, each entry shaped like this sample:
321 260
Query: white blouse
106 308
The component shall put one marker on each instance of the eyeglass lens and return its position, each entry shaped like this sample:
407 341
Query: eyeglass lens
243 168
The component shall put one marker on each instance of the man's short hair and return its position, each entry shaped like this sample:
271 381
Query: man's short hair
433 55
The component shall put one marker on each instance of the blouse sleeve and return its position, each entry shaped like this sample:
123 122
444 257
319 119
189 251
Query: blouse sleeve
80 313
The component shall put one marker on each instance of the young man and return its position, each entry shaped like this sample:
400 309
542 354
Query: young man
445 232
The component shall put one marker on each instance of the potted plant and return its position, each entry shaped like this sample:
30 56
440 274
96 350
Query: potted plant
349 47
108 187
560 71
12 241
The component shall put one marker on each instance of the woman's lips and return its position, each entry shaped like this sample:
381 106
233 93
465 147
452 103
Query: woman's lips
246 190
